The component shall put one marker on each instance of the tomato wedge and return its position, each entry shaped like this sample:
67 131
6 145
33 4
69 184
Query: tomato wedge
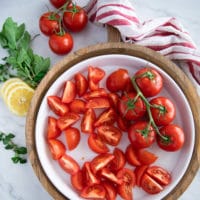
67 120
88 121
100 161
161 175
98 102
52 130
93 192
131 156
68 164
57 148
81 84
57 106
111 192
101 92
77 106
146 157
69 92
149 185
109 134
77 180
73 137
96 144
139 171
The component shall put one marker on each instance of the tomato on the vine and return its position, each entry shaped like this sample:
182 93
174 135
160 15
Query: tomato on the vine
173 138
163 110
58 3
49 23
131 107
75 18
141 134
149 81
61 43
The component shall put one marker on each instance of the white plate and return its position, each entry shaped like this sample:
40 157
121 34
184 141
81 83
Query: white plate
176 163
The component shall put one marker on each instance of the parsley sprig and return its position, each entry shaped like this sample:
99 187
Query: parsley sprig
21 61
19 151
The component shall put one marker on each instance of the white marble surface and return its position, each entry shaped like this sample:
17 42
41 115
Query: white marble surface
18 182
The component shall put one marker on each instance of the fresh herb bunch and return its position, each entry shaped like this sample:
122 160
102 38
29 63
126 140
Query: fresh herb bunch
10 145
21 61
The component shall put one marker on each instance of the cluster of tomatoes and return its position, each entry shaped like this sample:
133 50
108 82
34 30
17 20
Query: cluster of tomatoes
68 17
123 107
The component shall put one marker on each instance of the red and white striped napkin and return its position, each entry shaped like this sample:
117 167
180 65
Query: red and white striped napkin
165 35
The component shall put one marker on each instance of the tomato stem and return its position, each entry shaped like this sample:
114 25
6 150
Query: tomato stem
148 105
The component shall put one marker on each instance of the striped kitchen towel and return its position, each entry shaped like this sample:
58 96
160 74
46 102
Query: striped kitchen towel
165 35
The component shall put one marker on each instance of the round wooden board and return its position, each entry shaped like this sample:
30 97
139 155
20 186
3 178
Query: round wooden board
105 49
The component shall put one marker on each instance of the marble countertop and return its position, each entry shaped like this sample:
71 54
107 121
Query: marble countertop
18 182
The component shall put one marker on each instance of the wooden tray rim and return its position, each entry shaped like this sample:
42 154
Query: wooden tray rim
104 49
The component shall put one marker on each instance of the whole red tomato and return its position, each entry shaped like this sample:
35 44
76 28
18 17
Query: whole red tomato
58 3
131 108
75 18
174 138
49 24
61 44
163 110
149 81
141 135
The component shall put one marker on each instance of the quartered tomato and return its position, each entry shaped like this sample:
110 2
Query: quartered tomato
101 161
69 92
117 80
100 92
96 144
163 110
77 106
68 164
141 134
98 102
131 156
57 106
109 134
111 192
131 107
77 180
67 120
81 84
52 130
146 157
139 172
57 148
149 81
73 137
174 138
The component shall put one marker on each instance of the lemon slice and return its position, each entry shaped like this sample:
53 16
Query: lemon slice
19 98
7 84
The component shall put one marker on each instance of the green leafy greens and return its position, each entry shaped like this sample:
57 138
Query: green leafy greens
10 145
21 61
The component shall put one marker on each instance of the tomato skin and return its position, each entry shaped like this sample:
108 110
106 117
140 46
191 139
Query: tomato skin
117 80
111 192
165 114
61 44
119 160
96 191
141 135
52 129
73 137
67 120
68 164
146 157
149 185
149 85
57 106
161 175
75 18
130 110
81 84
131 156
88 121
101 161
58 3
48 23
129 180
109 134
175 137
96 144
77 180
69 92
77 106
57 148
